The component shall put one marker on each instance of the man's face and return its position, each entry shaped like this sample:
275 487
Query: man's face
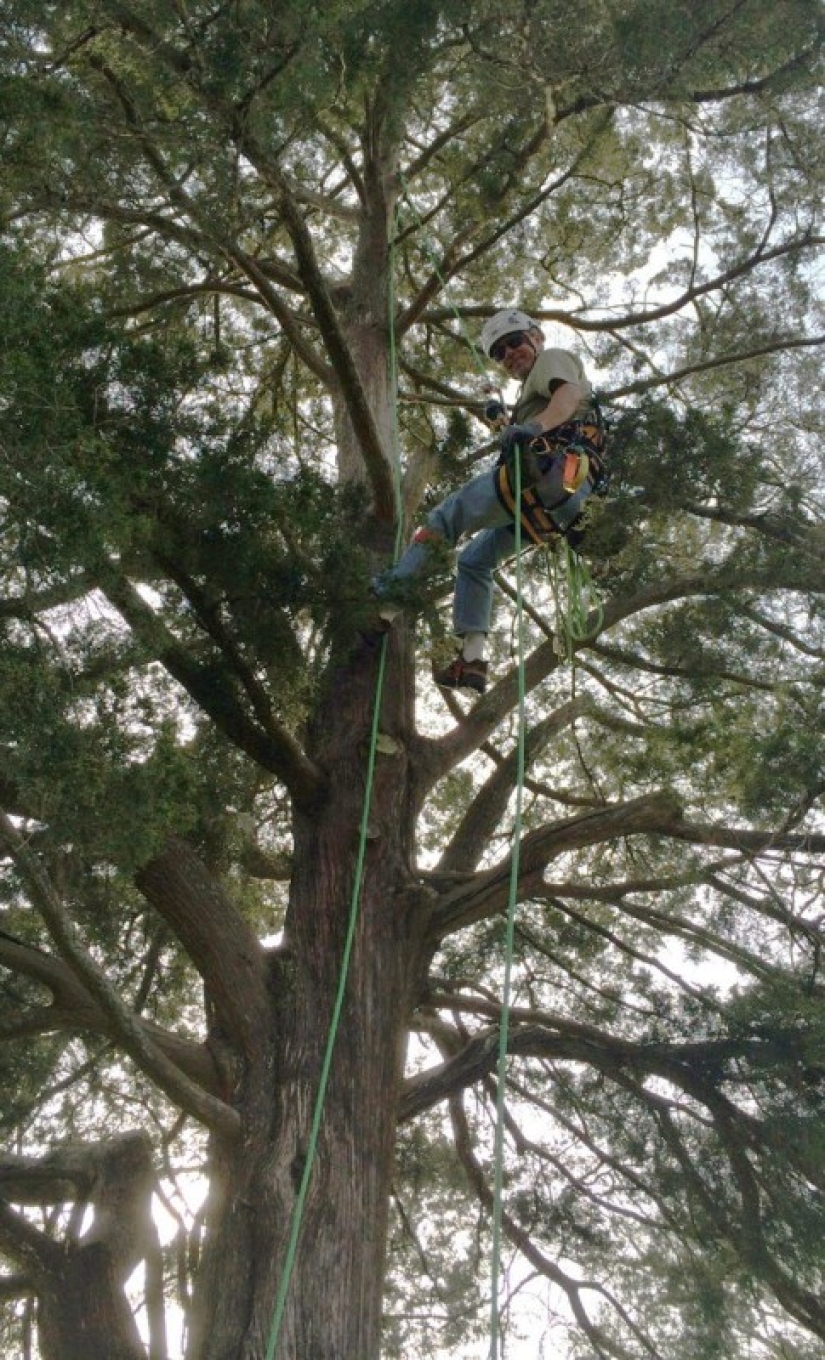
516 353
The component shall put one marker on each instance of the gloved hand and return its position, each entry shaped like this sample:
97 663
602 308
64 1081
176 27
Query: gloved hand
517 436
495 413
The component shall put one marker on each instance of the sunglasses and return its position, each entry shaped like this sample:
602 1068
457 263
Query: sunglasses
512 341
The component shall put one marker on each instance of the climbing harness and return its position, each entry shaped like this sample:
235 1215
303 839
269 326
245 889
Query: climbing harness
582 447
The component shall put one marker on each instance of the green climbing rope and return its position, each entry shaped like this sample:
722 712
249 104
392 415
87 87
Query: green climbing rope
509 941
312 1142
579 613
509 945
579 586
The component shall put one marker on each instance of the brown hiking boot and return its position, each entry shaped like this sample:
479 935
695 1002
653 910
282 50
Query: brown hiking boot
461 674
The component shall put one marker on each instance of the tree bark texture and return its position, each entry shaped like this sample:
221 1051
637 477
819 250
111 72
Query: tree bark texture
333 1306
83 1311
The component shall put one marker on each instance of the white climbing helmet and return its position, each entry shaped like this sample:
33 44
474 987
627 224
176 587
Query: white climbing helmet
504 323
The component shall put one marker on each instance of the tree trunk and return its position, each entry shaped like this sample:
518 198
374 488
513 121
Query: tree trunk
334 1303
333 1307
83 1311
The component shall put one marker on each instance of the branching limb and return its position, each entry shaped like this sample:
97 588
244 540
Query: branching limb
130 1031
24 1244
214 691
472 836
26 606
220 943
352 388
74 1010
669 922
745 1230
605 1345
437 757
779 346
487 893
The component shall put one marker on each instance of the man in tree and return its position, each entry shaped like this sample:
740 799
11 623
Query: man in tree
554 434
233 243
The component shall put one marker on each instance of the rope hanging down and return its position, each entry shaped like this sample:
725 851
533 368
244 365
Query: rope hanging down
579 613
509 944
312 1143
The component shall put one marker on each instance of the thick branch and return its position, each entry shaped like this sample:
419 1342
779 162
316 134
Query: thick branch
602 1343
115 1175
26 606
74 1010
745 838
131 1034
220 943
487 893
64 1174
28 1248
537 1034
781 345
472 836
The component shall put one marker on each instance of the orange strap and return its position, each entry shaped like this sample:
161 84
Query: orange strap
576 468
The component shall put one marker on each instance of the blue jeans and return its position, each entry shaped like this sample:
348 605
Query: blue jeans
473 509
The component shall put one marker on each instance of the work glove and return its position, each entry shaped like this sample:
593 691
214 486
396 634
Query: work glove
517 436
495 413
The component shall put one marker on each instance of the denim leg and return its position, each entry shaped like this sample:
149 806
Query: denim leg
474 506
475 509
473 600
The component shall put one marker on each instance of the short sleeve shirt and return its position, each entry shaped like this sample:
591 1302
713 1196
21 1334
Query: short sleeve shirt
552 366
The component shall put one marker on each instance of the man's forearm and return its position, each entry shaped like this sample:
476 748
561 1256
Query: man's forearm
561 407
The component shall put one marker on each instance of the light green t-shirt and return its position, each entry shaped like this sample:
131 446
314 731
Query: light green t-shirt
552 366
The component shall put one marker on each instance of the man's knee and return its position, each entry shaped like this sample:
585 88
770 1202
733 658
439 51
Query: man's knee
427 534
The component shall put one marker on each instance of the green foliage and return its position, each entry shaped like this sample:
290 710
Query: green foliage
25 1072
673 458
193 199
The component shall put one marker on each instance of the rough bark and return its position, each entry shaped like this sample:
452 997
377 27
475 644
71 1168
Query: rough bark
82 1308
333 1307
